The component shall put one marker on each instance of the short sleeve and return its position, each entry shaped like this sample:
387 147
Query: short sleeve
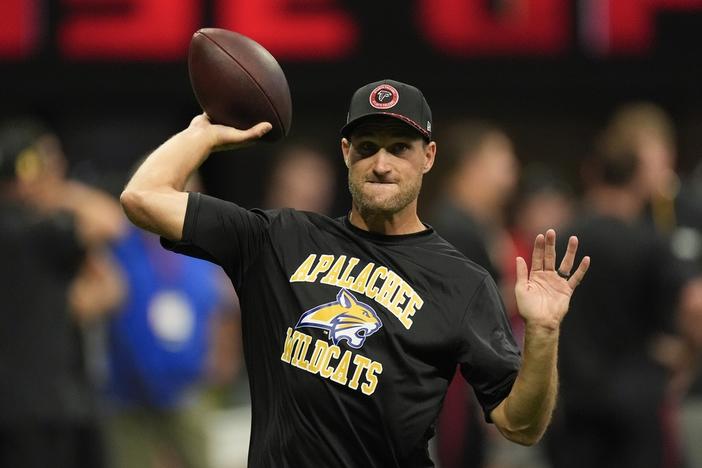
488 355
222 232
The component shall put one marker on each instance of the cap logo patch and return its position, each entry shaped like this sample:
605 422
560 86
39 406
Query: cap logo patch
384 97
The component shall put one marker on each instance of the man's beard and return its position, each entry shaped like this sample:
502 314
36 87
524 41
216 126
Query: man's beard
388 206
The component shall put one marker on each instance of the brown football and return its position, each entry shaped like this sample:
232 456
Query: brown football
238 82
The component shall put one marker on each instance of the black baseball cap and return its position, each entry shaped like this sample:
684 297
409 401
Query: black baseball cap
393 99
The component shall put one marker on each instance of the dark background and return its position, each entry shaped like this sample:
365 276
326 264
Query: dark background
111 110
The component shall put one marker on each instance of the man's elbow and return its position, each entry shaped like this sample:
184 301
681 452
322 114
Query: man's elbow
133 204
526 437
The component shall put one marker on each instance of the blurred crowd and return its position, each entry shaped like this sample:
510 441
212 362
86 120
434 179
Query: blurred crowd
116 353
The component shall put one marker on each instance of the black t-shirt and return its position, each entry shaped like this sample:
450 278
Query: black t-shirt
462 231
351 337
39 357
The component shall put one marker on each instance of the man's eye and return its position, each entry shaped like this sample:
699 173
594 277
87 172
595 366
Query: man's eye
367 149
399 148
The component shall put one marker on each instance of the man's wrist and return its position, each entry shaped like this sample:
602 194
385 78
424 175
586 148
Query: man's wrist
543 329
204 137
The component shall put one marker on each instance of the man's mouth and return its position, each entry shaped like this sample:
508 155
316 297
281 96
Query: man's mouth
380 182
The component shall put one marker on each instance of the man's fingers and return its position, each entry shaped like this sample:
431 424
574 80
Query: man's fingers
234 136
231 138
569 257
579 274
550 250
537 257
260 129
522 273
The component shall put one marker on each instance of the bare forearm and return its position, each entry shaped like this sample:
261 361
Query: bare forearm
524 415
543 296
171 164
154 198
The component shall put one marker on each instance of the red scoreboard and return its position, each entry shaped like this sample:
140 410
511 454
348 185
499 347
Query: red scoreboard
315 30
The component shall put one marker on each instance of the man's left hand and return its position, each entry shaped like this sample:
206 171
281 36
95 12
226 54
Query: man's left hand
543 294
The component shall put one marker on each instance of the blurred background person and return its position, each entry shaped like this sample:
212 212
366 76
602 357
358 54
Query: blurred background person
176 335
55 277
613 406
544 201
477 173
674 210
302 178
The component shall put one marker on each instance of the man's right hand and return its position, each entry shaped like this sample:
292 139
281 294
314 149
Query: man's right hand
223 138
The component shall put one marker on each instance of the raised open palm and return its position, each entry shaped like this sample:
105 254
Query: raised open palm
543 294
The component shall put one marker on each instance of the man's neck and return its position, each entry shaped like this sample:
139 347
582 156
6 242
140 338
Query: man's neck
472 199
403 222
621 203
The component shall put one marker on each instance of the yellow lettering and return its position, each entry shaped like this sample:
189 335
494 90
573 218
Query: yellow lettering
371 290
346 279
320 348
413 305
288 346
303 270
323 265
402 293
372 373
342 369
297 346
302 362
297 336
333 275
391 284
359 285
325 370
362 363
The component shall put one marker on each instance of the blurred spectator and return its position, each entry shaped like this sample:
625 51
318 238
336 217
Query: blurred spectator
544 201
53 277
645 130
302 178
612 410
675 211
478 171
176 332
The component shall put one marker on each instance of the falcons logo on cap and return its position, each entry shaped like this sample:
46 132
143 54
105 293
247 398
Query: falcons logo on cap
384 97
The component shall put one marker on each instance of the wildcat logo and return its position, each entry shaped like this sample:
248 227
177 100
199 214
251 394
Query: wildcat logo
346 319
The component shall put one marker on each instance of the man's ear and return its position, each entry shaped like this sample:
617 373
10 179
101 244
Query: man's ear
345 150
429 156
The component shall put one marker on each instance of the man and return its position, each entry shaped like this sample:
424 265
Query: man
673 207
54 276
302 178
613 394
175 334
477 173
353 327
479 176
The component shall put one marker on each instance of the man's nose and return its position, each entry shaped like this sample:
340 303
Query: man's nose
381 163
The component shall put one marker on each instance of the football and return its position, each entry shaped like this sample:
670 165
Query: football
238 83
